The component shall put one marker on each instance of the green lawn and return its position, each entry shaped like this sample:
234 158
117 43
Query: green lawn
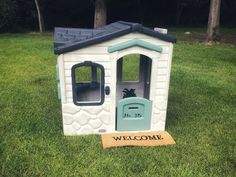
201 117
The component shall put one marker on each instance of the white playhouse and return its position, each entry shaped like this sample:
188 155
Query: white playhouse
113 79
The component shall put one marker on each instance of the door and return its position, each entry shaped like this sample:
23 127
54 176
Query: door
133 114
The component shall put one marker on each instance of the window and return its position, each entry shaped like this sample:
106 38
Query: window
88 83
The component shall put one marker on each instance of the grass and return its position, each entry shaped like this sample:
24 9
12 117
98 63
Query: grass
201 117
198 35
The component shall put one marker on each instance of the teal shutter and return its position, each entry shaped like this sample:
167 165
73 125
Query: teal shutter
58 82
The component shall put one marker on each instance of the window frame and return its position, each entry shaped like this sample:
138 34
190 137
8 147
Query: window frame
102 84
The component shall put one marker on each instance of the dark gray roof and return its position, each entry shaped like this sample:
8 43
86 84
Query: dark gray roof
69 39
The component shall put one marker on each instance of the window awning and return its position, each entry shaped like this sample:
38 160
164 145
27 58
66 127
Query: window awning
132 43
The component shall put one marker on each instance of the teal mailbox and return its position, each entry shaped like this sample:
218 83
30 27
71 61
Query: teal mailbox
134 113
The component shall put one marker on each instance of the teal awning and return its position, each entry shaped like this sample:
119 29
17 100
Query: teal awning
132 43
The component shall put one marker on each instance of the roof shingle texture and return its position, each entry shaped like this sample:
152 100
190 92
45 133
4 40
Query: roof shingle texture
69 39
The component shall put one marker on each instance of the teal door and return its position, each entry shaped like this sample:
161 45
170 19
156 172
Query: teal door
133 114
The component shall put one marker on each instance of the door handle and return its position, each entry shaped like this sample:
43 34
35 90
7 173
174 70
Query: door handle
107 90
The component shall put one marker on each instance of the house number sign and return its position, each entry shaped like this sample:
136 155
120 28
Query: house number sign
133 111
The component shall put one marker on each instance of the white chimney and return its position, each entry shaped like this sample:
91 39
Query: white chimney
161 30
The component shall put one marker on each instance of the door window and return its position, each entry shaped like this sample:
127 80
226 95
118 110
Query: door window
130 68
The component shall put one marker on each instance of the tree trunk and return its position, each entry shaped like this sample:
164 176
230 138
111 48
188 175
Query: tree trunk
40 17
213 28
100 16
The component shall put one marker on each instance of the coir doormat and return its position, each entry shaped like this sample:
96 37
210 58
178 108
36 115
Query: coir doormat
159 138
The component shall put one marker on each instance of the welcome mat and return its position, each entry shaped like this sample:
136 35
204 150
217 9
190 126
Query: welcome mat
159 138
